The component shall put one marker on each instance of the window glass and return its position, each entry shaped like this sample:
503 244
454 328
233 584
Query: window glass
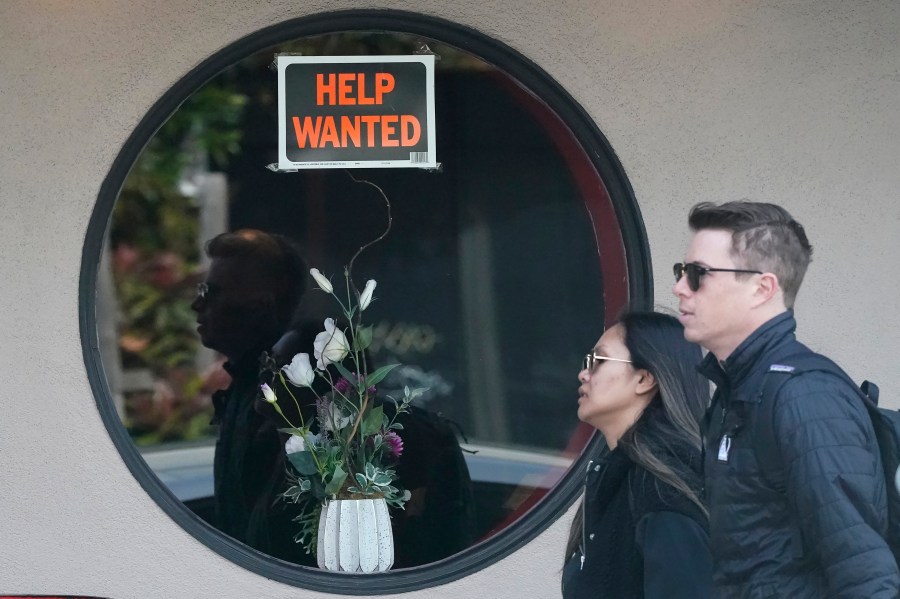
499 272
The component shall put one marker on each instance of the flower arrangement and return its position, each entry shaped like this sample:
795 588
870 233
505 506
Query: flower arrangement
349 449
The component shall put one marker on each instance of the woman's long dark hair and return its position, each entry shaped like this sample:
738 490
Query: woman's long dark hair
671 421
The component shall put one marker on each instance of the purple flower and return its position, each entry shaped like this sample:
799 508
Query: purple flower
394 444
342 386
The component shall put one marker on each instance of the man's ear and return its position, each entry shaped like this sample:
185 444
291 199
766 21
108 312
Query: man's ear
262 300
646 382
262 311
767 287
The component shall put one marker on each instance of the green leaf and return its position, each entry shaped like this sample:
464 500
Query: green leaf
344 372
377 376
303 462
381 480
363 338
318 489
372 421
337 481
294 431
361 480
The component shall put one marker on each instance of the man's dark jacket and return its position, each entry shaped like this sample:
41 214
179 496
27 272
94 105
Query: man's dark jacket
249 470
816 529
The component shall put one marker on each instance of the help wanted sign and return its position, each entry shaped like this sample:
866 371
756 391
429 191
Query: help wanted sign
355 112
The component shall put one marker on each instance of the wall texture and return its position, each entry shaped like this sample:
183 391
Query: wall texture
793 102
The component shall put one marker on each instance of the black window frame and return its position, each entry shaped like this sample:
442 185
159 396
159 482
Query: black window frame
528 74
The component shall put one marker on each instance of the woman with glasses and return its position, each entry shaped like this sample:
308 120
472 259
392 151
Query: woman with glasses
642 529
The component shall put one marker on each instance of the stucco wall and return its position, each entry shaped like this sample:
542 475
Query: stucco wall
794 102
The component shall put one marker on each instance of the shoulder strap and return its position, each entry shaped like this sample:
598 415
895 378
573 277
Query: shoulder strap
778 373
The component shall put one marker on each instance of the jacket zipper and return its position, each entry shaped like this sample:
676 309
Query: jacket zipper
584 511
584 514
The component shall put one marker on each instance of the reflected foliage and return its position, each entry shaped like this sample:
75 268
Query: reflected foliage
155 251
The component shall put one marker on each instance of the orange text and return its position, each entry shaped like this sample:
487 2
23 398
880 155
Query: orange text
382 131
349 89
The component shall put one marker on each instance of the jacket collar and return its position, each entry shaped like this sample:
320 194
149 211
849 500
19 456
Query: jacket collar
748 356
243 372
605 478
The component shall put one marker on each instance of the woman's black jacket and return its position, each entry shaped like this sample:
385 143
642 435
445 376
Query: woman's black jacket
641 537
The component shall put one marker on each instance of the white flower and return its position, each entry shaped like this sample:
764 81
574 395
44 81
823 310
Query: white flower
268 393
330 345
365 298
300 371
332 418
295 444
323 283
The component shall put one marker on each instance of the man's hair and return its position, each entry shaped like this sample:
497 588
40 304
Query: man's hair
764 237
273 257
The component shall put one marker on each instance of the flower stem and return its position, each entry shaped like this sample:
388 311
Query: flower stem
387 230
359 417
296 403
280 413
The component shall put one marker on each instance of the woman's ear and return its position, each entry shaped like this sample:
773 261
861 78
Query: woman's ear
646 382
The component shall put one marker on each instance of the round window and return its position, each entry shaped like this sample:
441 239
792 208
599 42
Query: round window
500 268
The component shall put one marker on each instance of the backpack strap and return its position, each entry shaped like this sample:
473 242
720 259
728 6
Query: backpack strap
765 443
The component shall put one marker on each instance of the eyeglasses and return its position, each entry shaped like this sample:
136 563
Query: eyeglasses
592 360
202 291
694 271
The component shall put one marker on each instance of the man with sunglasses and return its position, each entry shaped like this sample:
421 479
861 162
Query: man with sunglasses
813 524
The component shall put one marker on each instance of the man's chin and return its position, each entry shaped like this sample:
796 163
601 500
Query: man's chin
692 335
208 342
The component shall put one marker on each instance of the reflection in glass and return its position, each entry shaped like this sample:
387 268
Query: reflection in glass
493 281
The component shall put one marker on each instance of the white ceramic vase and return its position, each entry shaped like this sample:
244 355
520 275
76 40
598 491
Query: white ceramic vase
355 536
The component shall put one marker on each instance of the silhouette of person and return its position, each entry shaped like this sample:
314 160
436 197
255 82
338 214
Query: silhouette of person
252 289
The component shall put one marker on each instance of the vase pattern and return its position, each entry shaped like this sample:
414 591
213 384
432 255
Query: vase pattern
355 536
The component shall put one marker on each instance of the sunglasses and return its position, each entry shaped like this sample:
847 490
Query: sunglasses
203 291
592 360
694 271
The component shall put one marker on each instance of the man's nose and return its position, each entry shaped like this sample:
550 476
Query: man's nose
197 304
680 288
